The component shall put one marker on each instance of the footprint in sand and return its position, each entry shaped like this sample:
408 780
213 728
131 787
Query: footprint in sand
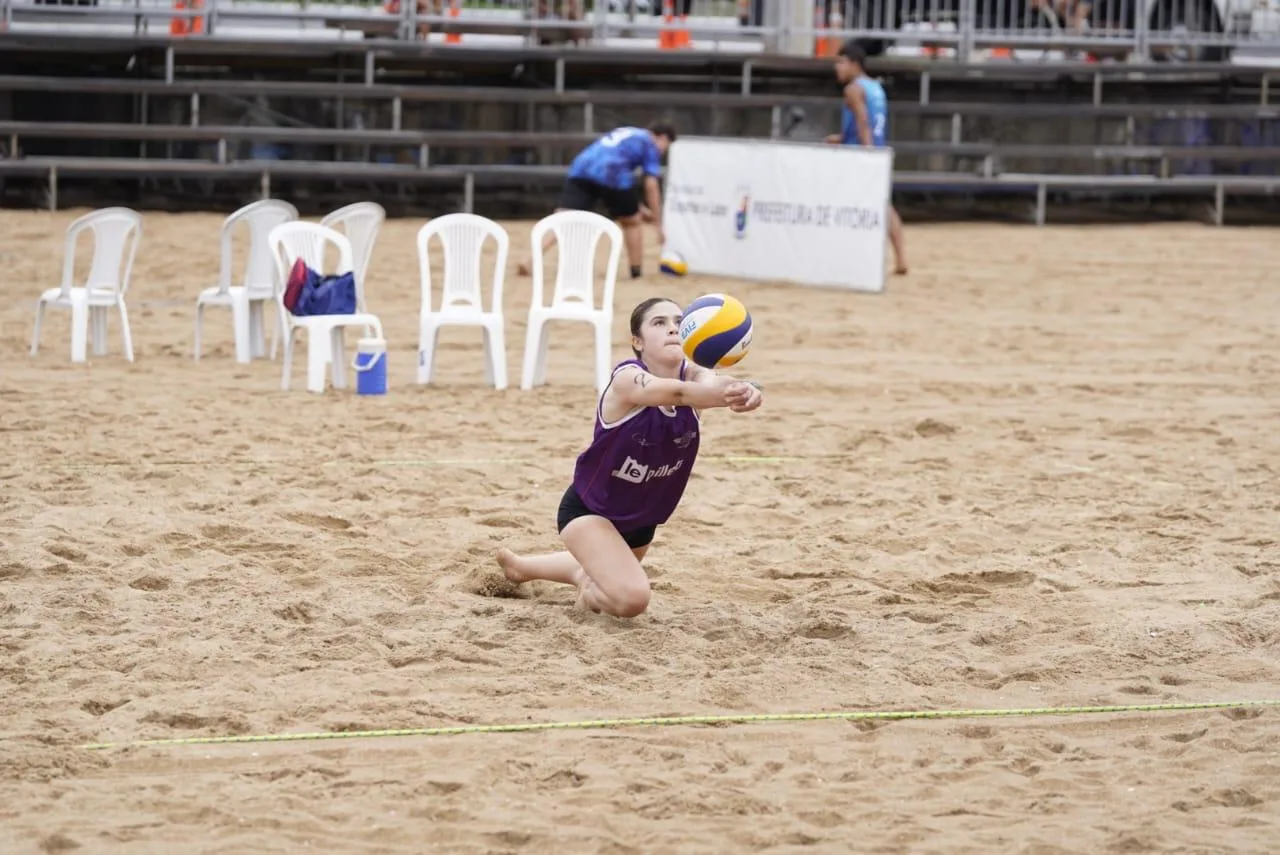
300 612
65 552
223 532
101 708
59 843
320 521
175 538
228 724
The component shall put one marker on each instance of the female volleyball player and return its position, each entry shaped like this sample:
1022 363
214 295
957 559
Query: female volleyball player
630 479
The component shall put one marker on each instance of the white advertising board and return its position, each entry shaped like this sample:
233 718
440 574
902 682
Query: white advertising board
808 213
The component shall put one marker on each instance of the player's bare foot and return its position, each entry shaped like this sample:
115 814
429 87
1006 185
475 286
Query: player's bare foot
900 270
584 603
510 564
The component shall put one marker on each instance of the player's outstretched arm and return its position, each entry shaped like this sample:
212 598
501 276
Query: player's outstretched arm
635 387
746 395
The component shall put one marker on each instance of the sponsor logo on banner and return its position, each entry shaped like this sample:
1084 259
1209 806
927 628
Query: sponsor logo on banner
743 196
816 216
692 200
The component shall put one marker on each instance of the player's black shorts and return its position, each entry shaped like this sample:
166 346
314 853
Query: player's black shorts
571 507
579 194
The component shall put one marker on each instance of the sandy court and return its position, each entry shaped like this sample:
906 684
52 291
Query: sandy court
1040 471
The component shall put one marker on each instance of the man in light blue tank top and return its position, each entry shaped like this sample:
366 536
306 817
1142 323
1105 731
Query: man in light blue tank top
864 120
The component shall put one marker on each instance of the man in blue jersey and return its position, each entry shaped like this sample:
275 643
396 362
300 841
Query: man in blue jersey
864 120
603 174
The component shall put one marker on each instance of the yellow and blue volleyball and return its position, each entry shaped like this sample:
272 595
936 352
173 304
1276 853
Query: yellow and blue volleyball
715 331
673 264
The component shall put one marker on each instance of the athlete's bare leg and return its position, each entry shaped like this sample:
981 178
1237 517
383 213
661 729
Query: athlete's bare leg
898 241
633 238
559 567
563 568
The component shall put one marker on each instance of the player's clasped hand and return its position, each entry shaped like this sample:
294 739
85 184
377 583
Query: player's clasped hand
742 397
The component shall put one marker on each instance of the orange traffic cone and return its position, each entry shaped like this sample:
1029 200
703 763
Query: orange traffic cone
824 45
454 12
186 26
682 34
178 26
667 35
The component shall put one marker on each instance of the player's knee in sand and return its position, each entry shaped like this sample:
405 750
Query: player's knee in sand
631 600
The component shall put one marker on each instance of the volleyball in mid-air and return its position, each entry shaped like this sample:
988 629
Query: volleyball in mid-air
673 264
715 331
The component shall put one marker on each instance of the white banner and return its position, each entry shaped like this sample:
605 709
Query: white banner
808 213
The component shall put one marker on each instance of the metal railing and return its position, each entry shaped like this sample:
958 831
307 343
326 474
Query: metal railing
967 30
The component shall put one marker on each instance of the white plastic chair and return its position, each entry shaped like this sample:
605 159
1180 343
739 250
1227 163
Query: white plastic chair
248 300
360 222
308 241
577 233
116 232
462 237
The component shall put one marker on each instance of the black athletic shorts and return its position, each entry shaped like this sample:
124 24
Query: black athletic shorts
571 507
579 194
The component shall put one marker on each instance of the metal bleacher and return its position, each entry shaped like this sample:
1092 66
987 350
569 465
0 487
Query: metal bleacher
767 89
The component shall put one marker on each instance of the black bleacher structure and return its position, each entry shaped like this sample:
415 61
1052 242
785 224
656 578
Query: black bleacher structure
175 124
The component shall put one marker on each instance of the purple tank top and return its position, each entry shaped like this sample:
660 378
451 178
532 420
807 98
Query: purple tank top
635 470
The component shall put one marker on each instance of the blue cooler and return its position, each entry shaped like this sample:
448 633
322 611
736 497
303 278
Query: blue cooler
371 367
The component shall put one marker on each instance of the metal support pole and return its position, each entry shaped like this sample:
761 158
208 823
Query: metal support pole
1219 204
1097 89
424 156
968 27
600 24
469 193
222 151
195 109
1141 37
53 188
925 80
143 105
168 64
397 110
793 23
588 118
265 185
559 74
746 77
368 68
1042 194
775 122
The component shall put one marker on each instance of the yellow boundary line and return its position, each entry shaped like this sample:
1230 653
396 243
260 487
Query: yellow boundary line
425 461
686 720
